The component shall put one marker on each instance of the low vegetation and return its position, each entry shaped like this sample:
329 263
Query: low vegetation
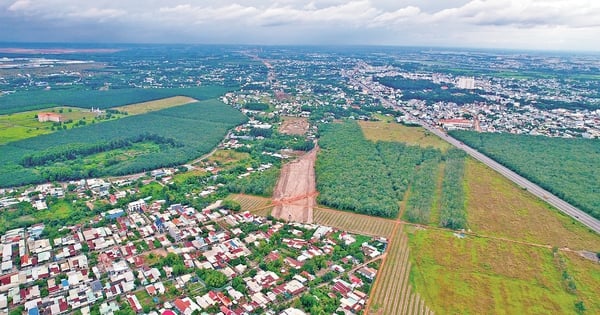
485 276
568 168
145 107
132 144
395 132
33 100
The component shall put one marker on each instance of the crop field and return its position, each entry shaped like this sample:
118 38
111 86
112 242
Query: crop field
353 222
486 276
257 205
392 291
394 132
162 138
145 107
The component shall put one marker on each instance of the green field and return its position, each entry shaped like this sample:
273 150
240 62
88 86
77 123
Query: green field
508 265
483 276
35 100
519 255
23 125
132 144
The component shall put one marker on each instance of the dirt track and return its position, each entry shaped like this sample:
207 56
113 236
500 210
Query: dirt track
295 194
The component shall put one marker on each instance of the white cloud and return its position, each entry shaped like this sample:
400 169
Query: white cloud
425 22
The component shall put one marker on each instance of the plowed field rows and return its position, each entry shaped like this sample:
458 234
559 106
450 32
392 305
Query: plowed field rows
353 222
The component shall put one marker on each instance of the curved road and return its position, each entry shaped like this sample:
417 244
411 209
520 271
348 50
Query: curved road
565 207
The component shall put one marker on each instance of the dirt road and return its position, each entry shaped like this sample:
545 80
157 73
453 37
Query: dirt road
295 194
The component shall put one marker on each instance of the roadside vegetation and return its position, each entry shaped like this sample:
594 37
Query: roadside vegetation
568 168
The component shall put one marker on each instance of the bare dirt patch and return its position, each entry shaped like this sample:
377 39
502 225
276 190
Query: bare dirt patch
295 194
294 126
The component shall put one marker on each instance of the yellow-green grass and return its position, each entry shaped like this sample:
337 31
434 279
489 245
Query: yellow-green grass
260 206
145 107
498 207
353 222
182 177
392 291
226 158
587 279
59 210
25 125
390 131
485 276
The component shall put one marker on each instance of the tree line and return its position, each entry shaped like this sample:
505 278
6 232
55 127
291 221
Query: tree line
452 202
182 134
363 176
568 168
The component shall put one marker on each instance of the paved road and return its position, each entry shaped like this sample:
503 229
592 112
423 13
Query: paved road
560 204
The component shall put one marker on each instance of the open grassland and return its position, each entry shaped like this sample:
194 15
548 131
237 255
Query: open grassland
394 132
487 276
23 125
182 177
587 279
257 205
353 222
392 292
496 206
225 158
145 107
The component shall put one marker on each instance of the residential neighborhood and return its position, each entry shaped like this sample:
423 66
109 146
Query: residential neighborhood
152 257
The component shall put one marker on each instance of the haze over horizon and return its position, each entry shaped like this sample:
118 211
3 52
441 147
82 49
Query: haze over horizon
508 24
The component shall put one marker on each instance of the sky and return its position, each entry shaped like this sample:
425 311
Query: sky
511 24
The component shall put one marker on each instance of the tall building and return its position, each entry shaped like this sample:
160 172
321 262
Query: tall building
467 83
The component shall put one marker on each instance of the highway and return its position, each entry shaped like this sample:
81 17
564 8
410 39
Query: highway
565 207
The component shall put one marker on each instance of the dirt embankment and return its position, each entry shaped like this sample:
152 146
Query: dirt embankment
295 194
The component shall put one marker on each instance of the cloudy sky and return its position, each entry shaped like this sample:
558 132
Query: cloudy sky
528 24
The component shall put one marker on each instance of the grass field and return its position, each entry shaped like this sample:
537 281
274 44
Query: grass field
496 206
145 107
225 158
25 125
483 276
182 177
353 222
392 291
391 131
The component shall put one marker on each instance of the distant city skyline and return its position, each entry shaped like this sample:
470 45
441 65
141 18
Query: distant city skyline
512 24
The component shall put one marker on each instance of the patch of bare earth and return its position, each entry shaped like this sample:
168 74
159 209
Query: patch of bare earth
294 126
295 194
